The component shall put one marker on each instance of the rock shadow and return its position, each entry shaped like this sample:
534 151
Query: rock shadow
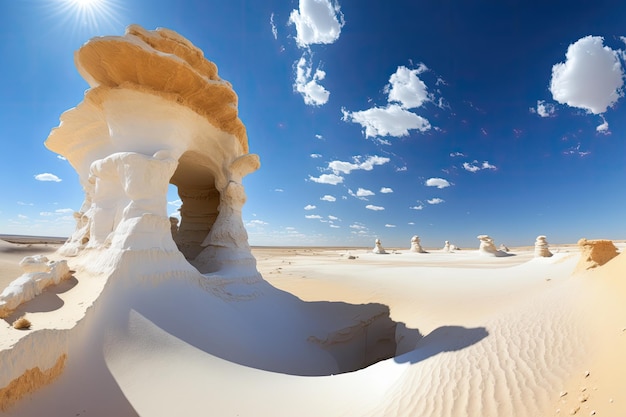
443 339
47 301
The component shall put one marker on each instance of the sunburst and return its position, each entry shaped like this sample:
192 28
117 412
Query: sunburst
87 15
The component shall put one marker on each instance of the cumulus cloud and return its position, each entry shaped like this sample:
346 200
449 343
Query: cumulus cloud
316 155
544 109
333 217
591 78
418 207
437 182
386 190
473 167
317 22
392 120
307 83
327 179
435 200
455 154
328 198
62 158
357 226
313 216
366 165
405 87
362 192
320 137
256 223
309 207
176 203
47 177
390 225
374 208
603 127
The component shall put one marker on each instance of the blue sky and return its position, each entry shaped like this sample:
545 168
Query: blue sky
373 119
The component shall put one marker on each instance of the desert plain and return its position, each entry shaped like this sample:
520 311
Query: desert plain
475 336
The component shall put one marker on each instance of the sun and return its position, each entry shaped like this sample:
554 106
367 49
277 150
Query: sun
87 15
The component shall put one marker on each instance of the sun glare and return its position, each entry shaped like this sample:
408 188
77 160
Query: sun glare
87 15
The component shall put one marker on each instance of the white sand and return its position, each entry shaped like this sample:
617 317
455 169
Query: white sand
501 337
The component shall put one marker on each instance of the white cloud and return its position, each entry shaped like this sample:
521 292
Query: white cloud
279 190
406 88
347 167
374 208
435 200
333 217
21 216
320 137
47 177
419 207
402 169
386 190
45 213
21 203
307 83
437 182
309 207
544 109
64 211
591 77
317 22
327 179
255 223
487 165
470 167
358 226
328 198
175 203
62 158
390 225
603 127
315 155
362 192
334 226
273 25
454 154
313 216
392 120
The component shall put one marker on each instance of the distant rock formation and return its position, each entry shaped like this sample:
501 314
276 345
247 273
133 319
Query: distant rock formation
378 248
416 246
541 247
503 248
446 246
488 248
595 253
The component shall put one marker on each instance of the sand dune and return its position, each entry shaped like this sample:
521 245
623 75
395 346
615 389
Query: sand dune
472 336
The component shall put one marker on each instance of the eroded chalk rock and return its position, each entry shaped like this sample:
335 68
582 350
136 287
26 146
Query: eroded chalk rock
541 247
595 253
416 246
487 247
378 248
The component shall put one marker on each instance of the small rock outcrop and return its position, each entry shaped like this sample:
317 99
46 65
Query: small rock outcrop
488 248
378 248
504 248
446 246
541 247
595 253
416 246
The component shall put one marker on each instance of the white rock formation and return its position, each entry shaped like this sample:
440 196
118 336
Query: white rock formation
541 247
487 247
504 248
416 246
378 248
447 247
38 274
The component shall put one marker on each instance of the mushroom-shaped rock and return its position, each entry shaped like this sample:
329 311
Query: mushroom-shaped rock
541 247
378 248
595 253
416 246
487 247
157 113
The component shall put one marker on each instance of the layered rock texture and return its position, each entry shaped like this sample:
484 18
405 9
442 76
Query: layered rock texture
488 248
156 113
595 253
541 247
